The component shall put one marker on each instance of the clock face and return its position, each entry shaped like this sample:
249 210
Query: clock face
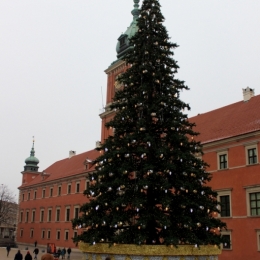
117 84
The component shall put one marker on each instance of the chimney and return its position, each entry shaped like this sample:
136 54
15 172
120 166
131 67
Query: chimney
248 93
72 153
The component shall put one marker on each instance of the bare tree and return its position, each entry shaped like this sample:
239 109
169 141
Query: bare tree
8 206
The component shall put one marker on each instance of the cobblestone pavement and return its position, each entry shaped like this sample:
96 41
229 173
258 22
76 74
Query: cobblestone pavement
3 254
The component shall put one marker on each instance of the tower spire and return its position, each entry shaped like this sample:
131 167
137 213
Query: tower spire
32 150
135 11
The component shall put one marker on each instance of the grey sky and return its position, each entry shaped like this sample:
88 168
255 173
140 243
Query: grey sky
53 54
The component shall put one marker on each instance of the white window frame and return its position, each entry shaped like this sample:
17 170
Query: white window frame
68 207
248 147
43 234
74 213
43 193
69 188
41 217
58 231
249 190
33 219
225 192
76 185
219 153
227 232
21 216
65 233
48 234
27 213
31 232
49 209
21 232
59 188
56 219
51 192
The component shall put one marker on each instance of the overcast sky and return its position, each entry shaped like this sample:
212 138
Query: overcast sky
53 54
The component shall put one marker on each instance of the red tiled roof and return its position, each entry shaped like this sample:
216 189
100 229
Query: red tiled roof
232 120
66 167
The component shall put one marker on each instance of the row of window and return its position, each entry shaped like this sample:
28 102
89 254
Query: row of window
46 234
252 200
50 217
251 157
51 193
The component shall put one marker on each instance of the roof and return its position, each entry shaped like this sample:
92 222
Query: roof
65 168
225 122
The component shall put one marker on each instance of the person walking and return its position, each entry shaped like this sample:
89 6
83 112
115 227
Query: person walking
47 256
63 253
59 253
36 252
28 256
8 248
18 256
69 251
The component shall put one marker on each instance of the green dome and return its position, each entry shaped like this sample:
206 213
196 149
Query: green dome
123 41
31 162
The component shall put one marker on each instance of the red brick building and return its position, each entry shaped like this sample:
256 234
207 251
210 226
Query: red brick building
230 136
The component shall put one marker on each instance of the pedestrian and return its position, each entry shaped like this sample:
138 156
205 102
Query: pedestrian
18 256
28 256
8 248
47 256
35 243
59 253
63 253
36 252
69 251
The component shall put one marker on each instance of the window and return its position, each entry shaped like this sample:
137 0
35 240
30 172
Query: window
35 195
76 212
251 154
224 206
224 197
27 216
87 184
58 235
253 200
69 188
77 187
23 197
43 234
252 157
51 192
57 214
21 216
21 232
75 234
49 215
66 235
254 203
222 156
31 233
59 190
28 196
67 214
223 161
33 215
42 215
49 234
43 193
227 244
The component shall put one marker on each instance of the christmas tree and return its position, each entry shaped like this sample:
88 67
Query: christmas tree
150 187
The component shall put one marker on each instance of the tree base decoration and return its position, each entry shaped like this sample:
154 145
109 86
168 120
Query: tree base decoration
149 252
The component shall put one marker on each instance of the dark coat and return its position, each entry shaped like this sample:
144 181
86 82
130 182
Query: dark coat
28 257
18 256
36 251
69 250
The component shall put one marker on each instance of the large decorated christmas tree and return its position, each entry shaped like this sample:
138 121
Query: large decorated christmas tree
150 186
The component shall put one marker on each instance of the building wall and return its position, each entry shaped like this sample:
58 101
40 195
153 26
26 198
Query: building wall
237 181
30 230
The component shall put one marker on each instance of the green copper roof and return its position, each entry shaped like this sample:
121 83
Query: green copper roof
123 41
32 160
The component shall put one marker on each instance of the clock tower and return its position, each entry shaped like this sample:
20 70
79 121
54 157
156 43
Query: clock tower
115 69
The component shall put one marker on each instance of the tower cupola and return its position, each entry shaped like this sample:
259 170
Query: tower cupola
31 163
123 44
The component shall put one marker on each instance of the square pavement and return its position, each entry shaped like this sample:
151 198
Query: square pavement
3 253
